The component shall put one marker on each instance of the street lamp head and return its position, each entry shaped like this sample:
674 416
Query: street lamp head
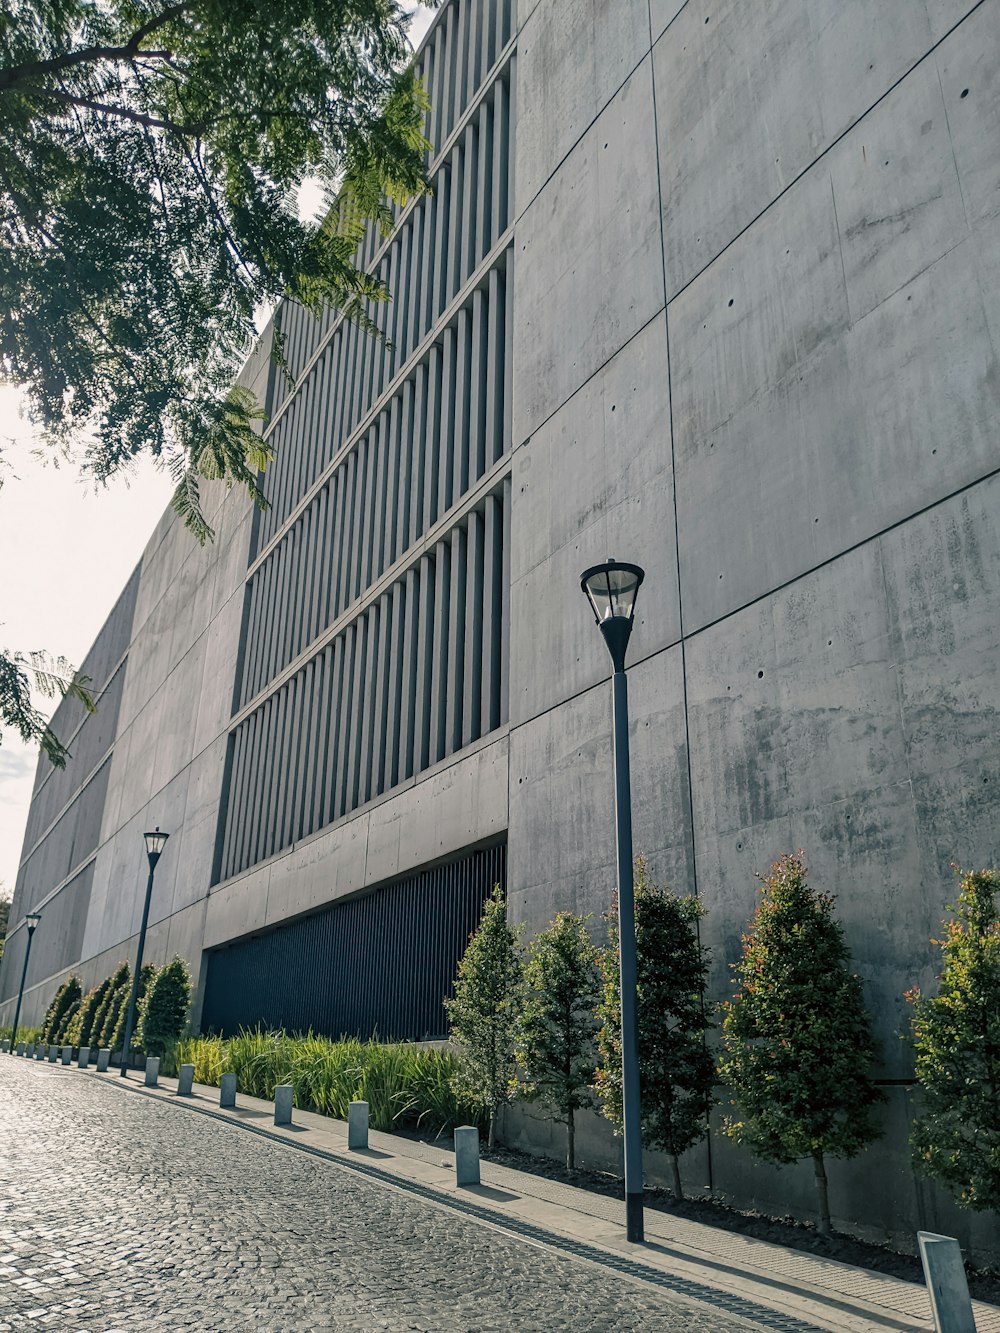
611 589
154 844
32 920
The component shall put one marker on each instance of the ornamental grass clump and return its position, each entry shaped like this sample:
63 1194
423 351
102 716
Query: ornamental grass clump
797 1037
557 1024
956 1037
676 1070
406 1087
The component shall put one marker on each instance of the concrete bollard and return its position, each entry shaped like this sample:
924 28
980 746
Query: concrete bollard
30 1052
185 1080
152 1071
20 1048
103 1060
4 1046
283 1104
83 1059
357 1125
53 1054
67 1055
467 1155
947 1284
227 1090
40 1053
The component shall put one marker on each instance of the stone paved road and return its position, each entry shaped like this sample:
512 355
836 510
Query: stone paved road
120 1214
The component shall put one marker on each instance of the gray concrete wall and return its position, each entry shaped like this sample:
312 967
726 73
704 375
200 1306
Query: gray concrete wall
753 340
756 352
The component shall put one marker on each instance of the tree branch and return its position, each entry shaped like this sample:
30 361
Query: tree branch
18 74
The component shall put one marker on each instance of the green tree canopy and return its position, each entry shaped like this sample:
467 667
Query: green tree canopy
151 155
164 1009
150 159
676 1070
483 1012
798 1039
557 1025
956 1036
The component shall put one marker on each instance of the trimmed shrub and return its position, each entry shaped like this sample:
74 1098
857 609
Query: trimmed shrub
121 981
956 1037
797 1035
676 1069
557 1025
164 1009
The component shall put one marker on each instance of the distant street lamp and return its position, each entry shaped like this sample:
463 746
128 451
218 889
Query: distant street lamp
31 921
611 589
154 846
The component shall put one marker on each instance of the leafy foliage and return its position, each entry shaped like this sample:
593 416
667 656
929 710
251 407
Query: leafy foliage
483 1012
150 158
4 917
956 1036
116 1040
556 1031
675 1068
798 1039
72 995
91 1008
405 1086
121 983
64 999
119 977
52 677
164 1009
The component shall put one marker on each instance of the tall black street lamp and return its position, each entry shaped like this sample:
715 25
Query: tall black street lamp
611 589
31 921
154 846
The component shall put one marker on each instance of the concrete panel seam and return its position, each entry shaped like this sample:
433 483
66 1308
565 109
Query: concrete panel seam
931 50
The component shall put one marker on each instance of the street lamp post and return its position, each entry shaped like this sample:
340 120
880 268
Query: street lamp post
611 589
154 846
31 921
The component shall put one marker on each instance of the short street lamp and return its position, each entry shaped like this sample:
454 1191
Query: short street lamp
154 846
611 589
31 921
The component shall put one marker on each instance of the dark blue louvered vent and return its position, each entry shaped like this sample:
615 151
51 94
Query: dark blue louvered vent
379 964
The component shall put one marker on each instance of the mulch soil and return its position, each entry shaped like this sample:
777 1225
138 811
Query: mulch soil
984 1284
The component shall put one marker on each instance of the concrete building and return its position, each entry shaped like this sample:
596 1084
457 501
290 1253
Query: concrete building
711 287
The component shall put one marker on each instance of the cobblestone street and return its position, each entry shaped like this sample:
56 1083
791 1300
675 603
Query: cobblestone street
122 1214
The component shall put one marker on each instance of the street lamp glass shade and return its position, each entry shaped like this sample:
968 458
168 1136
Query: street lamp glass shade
32 920
155 841
611 589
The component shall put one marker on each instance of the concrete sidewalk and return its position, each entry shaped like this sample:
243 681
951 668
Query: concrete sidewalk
686 1256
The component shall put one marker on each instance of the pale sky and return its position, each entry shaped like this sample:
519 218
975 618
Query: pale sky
66 552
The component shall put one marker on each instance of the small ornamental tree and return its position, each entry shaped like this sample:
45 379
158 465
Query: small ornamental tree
53 1013
121 982
483 1012
675 1067
956 1035
70 1003
91 1007
163 1012
557 1026
798 1039
117 1041
110 986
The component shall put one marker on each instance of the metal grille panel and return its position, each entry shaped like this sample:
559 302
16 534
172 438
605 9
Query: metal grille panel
379 964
